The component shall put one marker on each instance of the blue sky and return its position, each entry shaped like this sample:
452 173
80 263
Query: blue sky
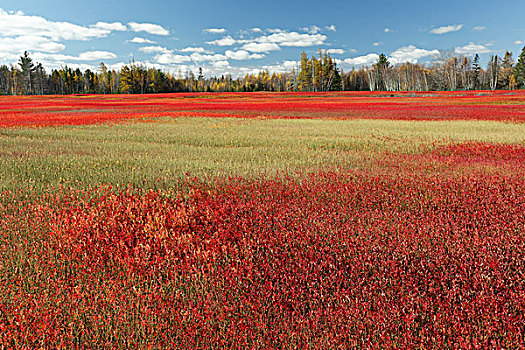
240 36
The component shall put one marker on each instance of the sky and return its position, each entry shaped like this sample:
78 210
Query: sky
245 36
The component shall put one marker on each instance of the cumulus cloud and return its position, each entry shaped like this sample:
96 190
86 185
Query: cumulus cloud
518 42
479 28
198 57
154 49
16 46
95 56
149 28
115 26
471 49
170 58
293 39
141 41
330 28
85 56
261 47
284 67
220 64
196 49
447 29
388 30
411 54
215 30
311 30
362 60
242 55
226 41
336 51
278 37
256 30
18 24
377 43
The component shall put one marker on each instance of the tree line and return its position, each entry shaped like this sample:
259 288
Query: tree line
316 73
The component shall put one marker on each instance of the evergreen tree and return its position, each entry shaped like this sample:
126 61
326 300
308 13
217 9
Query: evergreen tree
476 67
506 69
519 70
381 68
28 68
383 62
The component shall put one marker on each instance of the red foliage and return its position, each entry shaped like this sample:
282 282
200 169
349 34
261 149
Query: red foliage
327 261
90 109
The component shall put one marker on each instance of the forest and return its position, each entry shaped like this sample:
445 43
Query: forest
448 72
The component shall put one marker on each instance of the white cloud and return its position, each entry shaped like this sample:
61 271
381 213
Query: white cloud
471 49
196 49
518 42
15 46
169 58
141 41
286 66
226 41
293 39
388 30
149 28
95 56
377 43
215 30
336 51
154 49
479 28
242 55
447 29
256 30
220 64
115 26
18 24
411 54
330 28
261 47
85 56
276 30
362 60
311 30
197 57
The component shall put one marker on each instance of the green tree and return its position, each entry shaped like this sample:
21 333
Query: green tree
381 67
28 68
519 70
477 68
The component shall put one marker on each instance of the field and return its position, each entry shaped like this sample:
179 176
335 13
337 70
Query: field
284 220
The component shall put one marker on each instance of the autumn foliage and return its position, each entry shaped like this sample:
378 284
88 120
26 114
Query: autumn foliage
329 260
92 109
426 250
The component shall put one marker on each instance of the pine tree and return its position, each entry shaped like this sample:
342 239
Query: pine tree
506 69
519 70
381 68
28 68
477 68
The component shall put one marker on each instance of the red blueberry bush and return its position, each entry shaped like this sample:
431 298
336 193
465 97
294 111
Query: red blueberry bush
325 261
91 109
